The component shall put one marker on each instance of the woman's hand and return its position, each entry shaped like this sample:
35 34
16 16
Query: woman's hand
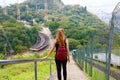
45 57
68 59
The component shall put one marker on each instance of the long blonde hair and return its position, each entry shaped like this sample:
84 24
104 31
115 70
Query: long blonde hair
60 37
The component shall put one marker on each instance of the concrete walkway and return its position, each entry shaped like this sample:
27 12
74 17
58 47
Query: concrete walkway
73 72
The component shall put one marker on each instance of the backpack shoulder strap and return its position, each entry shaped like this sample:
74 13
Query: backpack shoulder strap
65 42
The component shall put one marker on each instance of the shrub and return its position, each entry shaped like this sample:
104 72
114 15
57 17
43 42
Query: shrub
2 56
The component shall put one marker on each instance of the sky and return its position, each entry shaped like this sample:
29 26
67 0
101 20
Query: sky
92 5
95 5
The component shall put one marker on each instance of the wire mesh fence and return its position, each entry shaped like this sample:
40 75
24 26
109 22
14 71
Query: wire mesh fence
100 58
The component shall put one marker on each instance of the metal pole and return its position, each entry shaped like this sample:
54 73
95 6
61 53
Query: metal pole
86 59
50 67
83 58
92 47
110 48
35 69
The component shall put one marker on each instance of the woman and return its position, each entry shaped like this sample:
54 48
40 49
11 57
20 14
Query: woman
60 41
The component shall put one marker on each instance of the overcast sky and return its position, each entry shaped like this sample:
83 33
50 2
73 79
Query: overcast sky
92 5
95 5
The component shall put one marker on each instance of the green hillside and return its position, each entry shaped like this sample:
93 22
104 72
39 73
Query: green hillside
79 24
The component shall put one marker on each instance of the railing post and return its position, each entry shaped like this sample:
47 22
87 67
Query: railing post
86 64
91 55
35 69
50 67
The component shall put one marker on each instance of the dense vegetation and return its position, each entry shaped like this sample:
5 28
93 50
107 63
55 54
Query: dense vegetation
79 24
25 71
15 36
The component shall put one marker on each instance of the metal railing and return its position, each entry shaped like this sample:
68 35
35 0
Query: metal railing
4 62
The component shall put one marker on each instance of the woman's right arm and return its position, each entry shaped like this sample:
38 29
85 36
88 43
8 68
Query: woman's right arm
51 50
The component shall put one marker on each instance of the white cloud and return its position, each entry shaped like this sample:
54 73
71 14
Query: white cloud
92 2
73 1
7 2
94 5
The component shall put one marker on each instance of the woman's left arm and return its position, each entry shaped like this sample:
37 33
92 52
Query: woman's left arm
68 51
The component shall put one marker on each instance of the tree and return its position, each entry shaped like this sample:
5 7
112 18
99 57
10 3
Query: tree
73 44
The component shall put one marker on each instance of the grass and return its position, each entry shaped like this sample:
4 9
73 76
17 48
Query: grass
116 51
99 75
96 74
104 64
25 71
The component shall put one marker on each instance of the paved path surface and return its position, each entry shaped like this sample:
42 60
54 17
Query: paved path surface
74 72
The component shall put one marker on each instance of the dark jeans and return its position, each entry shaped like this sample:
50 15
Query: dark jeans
58 66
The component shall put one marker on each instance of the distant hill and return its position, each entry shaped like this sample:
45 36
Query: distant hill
35 9
79 24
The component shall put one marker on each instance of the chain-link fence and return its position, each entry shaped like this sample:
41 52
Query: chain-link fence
101 58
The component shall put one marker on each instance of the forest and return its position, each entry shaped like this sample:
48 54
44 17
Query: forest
80 26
